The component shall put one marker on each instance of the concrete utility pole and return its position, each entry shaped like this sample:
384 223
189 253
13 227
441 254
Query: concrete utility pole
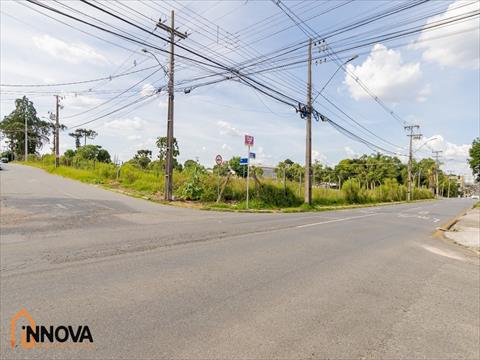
437 153
169 153
412 136
57 132
448 192
308 125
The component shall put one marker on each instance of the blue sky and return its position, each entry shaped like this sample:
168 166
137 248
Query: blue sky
431 80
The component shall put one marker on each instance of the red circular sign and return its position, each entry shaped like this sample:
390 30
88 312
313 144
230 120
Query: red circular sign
218 159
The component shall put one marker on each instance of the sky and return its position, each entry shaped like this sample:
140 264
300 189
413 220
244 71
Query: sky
430 78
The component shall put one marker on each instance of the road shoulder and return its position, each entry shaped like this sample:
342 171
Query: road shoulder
465 230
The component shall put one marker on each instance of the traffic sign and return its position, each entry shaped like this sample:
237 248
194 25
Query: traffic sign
251 155
249 140
243 161
218 159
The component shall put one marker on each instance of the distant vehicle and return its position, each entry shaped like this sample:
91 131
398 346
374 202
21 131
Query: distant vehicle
476 197
4 160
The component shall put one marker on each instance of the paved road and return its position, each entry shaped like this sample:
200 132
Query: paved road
153 281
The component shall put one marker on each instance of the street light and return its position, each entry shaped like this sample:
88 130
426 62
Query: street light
425 143
331 77
146 51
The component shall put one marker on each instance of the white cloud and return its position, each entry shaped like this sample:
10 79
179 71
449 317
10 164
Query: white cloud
228 129
317 155
135 123
134 137
72 53
350 152
163 103
386 75
453 157
455 45
79 101
450 150
261 158
423 93
226 147
147 90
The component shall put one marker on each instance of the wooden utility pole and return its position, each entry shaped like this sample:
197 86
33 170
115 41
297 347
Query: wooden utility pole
308 125
169 153
57 132
448 193
437 153
412 136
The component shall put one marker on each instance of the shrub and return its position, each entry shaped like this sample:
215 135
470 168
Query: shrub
353 193
191 189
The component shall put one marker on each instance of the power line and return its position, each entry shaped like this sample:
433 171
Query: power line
110 77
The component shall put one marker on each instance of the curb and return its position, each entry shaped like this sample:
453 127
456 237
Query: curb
440 233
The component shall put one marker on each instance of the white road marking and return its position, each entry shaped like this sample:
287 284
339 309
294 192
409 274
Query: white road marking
445 253
336 220
61 206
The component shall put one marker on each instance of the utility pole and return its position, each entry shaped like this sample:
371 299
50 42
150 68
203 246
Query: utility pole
412 136
57 132
448 193
437 153
308 147
169 153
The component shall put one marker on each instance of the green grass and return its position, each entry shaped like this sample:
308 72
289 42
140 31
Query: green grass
200 189
477 205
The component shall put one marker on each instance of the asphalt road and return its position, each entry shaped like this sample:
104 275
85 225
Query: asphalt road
153 281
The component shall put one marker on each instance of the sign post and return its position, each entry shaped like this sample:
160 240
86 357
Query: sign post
249 142
218 161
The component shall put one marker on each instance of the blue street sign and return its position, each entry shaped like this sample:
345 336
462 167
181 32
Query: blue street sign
252 155
243 161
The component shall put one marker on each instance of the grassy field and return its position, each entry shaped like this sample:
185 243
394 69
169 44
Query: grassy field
200 189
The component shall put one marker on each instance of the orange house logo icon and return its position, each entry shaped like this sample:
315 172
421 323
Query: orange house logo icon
23 339
48 336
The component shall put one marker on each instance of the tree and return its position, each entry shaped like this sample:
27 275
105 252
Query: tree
69 154
240 170
162 147
292 170
222 169
93 152
13 126
474 160
83 133
77 135
189 163
142 158
103 155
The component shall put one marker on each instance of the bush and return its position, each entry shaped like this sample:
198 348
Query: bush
322 196
191 189
194 183
353 193
421 193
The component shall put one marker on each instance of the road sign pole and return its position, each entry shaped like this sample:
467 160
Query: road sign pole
219 162
248 173
218 183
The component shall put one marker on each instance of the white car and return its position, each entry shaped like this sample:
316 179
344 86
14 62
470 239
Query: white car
475 197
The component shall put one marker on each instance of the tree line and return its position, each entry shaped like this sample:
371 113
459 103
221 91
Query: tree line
368 171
